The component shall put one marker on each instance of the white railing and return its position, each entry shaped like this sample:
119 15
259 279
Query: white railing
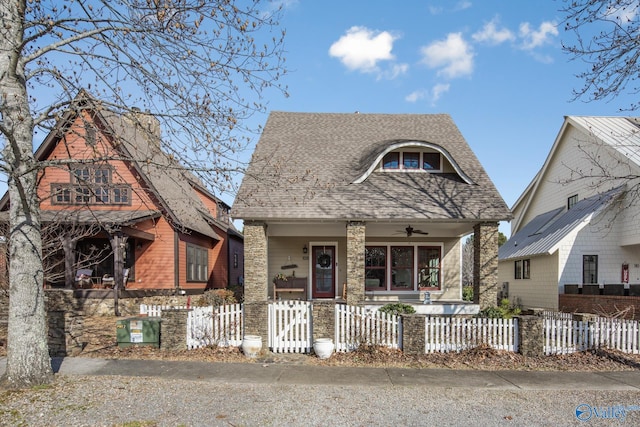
568 336
447 334
156 310
557 315
290 327
355 326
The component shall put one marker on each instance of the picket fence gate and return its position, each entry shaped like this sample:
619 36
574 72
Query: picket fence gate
290 327
451 334
563 336
355 326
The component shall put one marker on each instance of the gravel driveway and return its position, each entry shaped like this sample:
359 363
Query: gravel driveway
140 401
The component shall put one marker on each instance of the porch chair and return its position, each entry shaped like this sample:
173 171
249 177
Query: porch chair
83 278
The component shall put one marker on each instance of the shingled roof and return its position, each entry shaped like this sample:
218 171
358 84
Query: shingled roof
170 182
318 166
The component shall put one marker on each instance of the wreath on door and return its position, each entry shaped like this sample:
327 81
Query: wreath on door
324 260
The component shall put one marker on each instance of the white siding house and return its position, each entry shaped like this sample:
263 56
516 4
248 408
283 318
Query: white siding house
577 222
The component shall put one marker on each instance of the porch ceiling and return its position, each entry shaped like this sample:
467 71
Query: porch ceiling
374 229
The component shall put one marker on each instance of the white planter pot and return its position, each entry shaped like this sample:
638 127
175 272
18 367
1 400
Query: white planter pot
251 345
323 347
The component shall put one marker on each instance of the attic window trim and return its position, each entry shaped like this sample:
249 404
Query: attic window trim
415 146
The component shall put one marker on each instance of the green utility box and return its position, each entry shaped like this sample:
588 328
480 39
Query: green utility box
138 331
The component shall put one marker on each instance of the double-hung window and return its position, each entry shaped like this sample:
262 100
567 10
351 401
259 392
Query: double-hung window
197 263
375 268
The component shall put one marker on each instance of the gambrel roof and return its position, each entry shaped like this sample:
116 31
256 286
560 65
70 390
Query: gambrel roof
322 166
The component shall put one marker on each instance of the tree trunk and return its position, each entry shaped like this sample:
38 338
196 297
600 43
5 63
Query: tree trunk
28 361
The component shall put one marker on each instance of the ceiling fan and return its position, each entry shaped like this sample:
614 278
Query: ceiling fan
411 231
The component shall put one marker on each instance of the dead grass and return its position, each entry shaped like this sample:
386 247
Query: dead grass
101 342
100 337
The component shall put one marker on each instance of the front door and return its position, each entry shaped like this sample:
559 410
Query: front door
324 272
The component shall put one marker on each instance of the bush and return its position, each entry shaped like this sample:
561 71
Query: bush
397 308
467 293
216 297
505 310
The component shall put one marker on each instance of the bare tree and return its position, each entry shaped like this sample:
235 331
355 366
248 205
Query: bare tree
607 40
200 67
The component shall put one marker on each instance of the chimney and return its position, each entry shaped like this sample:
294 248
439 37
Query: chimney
146 122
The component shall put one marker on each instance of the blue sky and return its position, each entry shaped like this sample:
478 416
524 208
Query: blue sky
496 67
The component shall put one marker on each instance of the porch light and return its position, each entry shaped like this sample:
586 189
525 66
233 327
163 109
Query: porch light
304 249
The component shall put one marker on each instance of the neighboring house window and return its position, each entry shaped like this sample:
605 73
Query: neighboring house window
375 268
429 267
91 185
197 263
518 269
411 160
526 269
431 161
590 269
402 267
572 201
391 161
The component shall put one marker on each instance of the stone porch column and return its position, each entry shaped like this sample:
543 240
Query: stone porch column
485 264
256 281
355 261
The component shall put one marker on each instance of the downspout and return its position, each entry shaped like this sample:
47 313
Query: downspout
176 262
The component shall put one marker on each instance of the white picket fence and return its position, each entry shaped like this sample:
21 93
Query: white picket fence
568 336
290 327
156 310
207 326
451 334
355 326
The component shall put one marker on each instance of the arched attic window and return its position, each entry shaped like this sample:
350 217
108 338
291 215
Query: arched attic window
414 156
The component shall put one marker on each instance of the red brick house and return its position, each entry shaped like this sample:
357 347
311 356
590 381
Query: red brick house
155 226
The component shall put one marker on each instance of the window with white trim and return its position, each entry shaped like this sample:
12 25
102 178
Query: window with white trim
412 161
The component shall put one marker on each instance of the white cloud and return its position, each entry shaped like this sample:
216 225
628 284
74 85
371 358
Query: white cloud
415 96
394 71
535 38
434 95
362 49
623 15
452 56
438 90
493 35
462 5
